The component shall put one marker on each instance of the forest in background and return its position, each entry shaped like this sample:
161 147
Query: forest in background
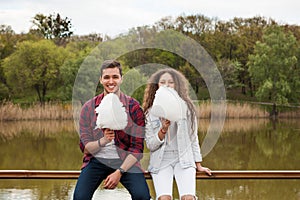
257 57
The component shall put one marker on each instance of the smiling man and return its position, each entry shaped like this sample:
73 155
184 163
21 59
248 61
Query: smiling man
112 156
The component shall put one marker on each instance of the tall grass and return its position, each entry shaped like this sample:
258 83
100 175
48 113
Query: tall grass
10 111
61 111
12 129
234 125
240 110
233 110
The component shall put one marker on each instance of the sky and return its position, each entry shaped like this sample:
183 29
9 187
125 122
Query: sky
113 17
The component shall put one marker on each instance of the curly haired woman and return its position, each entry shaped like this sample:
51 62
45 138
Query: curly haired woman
179 155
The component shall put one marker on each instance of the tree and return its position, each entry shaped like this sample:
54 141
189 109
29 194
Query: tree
78 51
134 83
193 77
7 42
230 71
53 27
34 65
272 67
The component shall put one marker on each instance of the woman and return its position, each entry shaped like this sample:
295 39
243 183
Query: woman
179 155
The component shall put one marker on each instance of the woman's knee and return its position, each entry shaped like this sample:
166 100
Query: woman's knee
188 197
165 197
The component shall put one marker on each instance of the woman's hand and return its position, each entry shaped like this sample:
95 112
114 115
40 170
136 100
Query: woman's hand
164 129
165 125
203 169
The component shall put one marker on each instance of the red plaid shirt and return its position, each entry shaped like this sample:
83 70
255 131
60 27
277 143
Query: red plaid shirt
129 141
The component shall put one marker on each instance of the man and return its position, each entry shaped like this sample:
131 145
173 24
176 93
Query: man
110 155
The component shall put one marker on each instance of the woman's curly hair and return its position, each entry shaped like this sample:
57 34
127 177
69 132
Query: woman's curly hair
181 86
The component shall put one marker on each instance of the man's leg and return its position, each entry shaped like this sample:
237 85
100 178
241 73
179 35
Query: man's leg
136 185
89 180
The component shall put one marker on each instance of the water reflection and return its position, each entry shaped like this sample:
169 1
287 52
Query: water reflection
257 144
249 189
206 190
39 145
10 130
36 189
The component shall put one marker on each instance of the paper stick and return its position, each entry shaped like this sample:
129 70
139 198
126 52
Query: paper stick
169 138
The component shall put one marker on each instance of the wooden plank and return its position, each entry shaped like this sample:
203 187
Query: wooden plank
218 174
251 174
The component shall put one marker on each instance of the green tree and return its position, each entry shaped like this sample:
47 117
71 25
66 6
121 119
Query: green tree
193 77
53 27
34 65
230 71
272 67
7 43
78 51
134 83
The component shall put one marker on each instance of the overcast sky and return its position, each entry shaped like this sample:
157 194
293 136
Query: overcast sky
113 17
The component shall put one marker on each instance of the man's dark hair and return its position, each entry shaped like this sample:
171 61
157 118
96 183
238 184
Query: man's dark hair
110 64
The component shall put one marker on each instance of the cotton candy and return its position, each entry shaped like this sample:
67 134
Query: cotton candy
168 104
111 113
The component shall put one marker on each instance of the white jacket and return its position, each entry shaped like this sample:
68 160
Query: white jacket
187 140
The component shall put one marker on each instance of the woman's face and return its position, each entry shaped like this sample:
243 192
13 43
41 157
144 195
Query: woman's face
166 80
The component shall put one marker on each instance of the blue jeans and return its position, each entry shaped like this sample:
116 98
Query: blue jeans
96 171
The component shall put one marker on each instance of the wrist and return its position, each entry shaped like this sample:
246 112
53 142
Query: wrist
102 142
99 143
121 170
163 131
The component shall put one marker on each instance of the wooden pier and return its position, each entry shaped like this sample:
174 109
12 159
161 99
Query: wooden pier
218 174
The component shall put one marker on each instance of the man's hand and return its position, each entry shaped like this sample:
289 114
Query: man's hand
109 134
112 180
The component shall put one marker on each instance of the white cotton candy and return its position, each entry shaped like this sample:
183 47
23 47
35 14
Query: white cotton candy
168 104
111 113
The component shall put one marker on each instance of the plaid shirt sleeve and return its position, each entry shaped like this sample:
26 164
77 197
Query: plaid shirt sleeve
85 122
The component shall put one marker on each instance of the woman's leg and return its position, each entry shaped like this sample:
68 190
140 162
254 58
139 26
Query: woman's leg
186 182
163 183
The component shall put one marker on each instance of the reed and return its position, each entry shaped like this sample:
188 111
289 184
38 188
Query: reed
233 110
240 110
234 125
11 129
58 111
63 111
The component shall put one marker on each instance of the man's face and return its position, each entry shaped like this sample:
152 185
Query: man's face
111 80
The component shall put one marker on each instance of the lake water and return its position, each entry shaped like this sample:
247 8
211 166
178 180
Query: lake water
257 144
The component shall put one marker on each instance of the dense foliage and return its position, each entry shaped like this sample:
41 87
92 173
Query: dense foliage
257 57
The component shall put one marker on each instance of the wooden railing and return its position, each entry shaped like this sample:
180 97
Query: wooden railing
218 174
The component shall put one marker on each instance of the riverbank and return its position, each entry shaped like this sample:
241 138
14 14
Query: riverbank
63 111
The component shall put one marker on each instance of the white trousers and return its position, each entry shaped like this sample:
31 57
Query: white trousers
185 180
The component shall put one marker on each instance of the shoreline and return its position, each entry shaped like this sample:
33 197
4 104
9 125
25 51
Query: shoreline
63 111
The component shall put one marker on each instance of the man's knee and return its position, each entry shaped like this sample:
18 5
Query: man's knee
165 197
188 197
82 193
140 195
80 196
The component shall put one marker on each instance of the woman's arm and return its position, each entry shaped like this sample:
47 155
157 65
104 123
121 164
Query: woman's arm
154 134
